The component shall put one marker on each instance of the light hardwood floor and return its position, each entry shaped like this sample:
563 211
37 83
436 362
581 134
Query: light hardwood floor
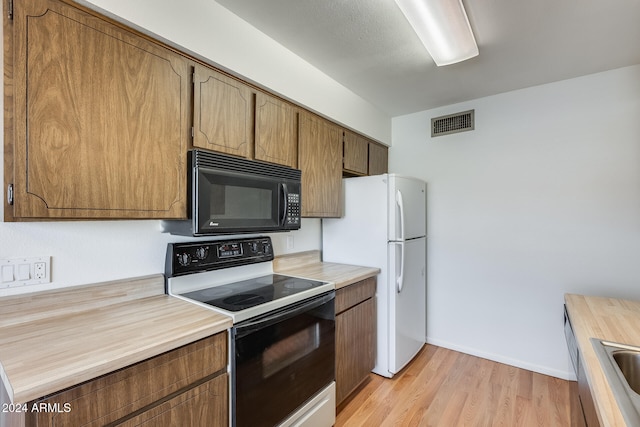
442 387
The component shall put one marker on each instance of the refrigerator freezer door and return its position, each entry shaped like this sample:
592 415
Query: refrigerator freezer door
407 301
407 208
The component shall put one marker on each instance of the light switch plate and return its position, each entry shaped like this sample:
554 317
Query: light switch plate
24 271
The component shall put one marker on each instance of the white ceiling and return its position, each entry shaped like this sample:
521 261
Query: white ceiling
369 47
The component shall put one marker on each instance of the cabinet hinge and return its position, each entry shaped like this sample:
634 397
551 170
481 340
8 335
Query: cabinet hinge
10 194
10 10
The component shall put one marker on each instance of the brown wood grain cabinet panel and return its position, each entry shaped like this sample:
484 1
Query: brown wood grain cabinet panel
355 335
355 347
320 159
577 416
355 153
117 395
8 111
101 118
353 294
205 405
276 131
222 113
585 398
378 159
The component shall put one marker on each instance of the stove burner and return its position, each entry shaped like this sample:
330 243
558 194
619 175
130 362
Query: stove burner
244 299
298 284
249 293
219 291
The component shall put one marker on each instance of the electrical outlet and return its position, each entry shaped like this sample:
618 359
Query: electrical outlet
24 271
39 270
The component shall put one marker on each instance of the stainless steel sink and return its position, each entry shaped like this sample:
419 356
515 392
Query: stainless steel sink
621 366
629 364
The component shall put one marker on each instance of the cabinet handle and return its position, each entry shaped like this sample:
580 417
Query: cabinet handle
10 194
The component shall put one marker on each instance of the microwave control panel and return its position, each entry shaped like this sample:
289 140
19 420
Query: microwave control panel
195 257
293 212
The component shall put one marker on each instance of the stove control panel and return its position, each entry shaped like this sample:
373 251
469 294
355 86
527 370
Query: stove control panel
196 257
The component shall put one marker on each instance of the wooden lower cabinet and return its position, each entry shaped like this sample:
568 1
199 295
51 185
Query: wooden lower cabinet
355 336
586 399
205 405
188 386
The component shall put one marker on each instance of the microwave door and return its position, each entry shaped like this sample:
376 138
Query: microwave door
230 202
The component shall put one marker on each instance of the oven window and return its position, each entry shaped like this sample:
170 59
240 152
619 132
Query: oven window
289 350
280 367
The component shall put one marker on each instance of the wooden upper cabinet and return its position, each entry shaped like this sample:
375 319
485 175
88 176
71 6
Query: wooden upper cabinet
101 118
222 113
355 154
378 159
276 131
320 159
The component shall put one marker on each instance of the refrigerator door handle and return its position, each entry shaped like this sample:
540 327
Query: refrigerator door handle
400 277
400 204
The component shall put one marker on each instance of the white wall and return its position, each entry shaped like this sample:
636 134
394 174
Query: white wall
543 198
90 251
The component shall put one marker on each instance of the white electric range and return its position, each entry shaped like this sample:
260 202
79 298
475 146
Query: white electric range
282 344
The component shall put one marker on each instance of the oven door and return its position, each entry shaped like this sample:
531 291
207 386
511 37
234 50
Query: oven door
282 360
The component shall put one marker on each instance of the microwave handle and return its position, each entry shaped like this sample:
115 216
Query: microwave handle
285 196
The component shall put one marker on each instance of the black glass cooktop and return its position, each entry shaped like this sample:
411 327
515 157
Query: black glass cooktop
245 294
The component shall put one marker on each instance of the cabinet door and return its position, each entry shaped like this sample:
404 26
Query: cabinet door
320 159
586 399
205 405
378 159
222 113
117 395
355 154
276 131
355 347
101 118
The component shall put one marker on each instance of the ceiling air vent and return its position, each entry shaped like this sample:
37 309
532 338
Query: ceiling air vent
453 123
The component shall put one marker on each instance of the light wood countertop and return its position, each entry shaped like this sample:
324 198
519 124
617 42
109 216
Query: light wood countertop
56 339
609 319
309 265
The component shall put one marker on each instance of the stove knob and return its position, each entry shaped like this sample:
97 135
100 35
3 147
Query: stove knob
202 252
184 259
253 246
266 248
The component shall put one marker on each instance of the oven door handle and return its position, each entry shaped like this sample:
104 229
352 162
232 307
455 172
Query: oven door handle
250 326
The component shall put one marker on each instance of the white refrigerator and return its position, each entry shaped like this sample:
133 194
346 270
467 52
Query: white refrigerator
384 225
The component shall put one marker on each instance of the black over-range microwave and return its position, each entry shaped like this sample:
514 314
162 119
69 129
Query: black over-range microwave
230 195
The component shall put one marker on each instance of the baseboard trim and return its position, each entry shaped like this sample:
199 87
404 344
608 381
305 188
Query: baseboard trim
565 375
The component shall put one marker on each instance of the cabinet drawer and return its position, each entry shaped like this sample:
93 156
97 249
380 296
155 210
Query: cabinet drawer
354 294
204 405
116 395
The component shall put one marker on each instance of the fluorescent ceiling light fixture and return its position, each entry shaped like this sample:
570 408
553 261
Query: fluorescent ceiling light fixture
443 28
